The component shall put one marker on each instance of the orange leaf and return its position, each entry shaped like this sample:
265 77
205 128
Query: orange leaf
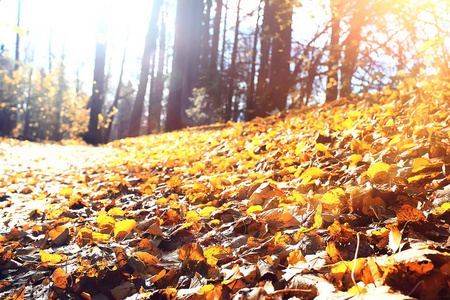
148 259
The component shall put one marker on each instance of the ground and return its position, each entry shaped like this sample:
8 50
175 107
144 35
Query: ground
349 200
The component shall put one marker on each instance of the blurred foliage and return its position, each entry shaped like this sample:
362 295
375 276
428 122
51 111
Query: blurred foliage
36 105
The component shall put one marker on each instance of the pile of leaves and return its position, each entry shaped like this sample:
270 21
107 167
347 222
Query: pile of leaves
350 199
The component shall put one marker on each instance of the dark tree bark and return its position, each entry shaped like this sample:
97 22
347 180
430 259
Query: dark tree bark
279 78
206 49
232 70
351 47
215 38
251 107
334 55
156 97
186 60
94 135
263 73
149 49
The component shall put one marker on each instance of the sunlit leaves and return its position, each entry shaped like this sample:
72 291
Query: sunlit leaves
124 228
51 258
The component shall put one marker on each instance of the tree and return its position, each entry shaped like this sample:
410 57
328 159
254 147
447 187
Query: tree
149 49
157 86
16 59
186 59
215 39
94 134
279 78
232 70
334 48
263 72
251 107
117 97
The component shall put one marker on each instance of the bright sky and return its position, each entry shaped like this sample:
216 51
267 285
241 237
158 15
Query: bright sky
74 24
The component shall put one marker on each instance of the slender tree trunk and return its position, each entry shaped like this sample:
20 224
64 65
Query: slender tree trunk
17 58
334 56
349 62
312 74
215 39
232 70
186 60
279 78
224 39
221 86
94 135
351 48
251 108
150 46
263 74
111 115
155 105
206 48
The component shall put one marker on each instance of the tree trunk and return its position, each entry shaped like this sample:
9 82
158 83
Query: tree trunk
279 78
215 39
232 70
351 48
263 74
206 49
251 108
156 98
94 136
17 58
334 55
149 49
186 59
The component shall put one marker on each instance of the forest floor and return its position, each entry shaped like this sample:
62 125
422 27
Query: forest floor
350 200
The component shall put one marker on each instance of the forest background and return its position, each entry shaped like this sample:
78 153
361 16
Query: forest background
198 62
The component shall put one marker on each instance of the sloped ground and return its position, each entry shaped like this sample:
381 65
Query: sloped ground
345 200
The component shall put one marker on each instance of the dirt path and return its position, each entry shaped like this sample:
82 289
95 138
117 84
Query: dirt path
34 170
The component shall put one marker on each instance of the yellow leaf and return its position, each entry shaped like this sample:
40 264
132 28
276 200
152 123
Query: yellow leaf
123 228
100 237
115 211
51 258
378 171
354 160
254 209
333 198
321 147
192 217
357 290
207 211
66 192
313 172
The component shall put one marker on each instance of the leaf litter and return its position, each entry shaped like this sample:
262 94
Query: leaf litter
346 200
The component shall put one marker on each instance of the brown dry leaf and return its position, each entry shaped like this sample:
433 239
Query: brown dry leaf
408 213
